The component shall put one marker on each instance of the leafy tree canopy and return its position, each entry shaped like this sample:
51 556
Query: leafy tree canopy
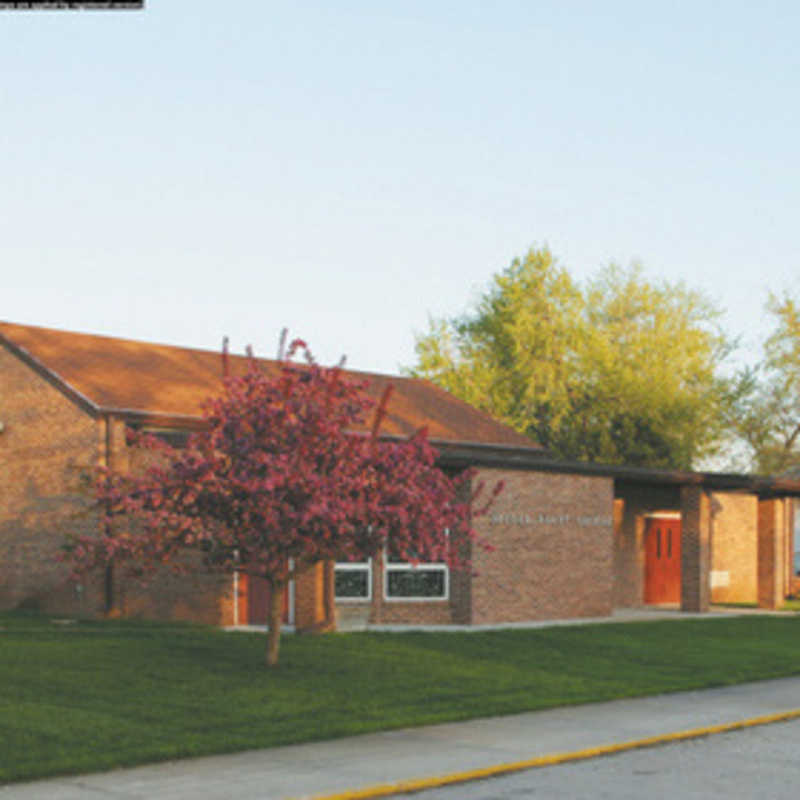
618 370
766 414
278 476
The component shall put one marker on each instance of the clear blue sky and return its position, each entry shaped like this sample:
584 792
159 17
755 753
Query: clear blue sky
347 169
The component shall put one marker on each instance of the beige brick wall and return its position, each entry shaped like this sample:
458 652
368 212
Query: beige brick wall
553 548
734 548
772 551
47 445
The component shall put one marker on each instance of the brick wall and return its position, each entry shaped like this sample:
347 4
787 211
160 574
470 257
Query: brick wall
403 612
423 612
195 597
553 555
48 444
695 549
559 566
198 596
734 548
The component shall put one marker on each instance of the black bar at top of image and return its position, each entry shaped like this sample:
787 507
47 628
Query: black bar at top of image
49 5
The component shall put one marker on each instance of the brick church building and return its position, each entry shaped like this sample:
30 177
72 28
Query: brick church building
570 539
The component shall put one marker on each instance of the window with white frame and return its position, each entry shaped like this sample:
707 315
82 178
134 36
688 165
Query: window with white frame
353 581
424 581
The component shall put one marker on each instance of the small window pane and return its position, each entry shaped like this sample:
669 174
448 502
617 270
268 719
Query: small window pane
409 583
352 583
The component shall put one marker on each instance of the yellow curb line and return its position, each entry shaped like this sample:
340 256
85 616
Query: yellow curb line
386 789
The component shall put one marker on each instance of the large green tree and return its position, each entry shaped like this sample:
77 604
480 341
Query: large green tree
766 415
619 369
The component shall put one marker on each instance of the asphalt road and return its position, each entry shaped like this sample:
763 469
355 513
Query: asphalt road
760 762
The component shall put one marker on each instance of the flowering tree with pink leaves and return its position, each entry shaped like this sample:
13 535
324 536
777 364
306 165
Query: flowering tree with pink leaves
282 473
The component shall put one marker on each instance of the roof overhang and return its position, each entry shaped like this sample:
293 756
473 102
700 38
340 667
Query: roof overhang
478 454
470 454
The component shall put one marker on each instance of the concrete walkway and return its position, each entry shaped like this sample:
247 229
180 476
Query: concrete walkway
312 770
648 614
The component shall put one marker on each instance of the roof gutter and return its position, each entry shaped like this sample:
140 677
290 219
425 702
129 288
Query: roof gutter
158 419
764 486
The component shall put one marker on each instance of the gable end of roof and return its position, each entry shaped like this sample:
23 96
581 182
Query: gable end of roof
53 378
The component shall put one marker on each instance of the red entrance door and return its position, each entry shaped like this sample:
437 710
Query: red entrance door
254 600
662 566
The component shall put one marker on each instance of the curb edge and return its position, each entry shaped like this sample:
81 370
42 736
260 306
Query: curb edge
420 784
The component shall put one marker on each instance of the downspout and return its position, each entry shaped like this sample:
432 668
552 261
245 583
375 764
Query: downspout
236 598
236 590
788 570
109 573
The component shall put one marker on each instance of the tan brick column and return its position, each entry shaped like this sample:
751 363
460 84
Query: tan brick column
376 612
788 549
695 549
771 526
309 598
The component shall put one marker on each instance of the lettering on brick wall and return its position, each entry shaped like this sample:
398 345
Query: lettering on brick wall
543 518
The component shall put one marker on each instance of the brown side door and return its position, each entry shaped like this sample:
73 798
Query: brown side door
254 600
662 566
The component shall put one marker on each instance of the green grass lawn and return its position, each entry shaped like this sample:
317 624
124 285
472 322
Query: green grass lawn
95 695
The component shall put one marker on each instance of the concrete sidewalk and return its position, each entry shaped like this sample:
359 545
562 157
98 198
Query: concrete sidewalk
310 770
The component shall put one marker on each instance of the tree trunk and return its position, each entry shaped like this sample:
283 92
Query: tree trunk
274 620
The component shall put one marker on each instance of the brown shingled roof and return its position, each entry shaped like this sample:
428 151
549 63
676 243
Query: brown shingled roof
106 374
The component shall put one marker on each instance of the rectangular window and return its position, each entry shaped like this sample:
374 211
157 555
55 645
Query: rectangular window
353 581
404 581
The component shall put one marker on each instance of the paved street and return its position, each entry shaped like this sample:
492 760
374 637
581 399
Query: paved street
757 762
